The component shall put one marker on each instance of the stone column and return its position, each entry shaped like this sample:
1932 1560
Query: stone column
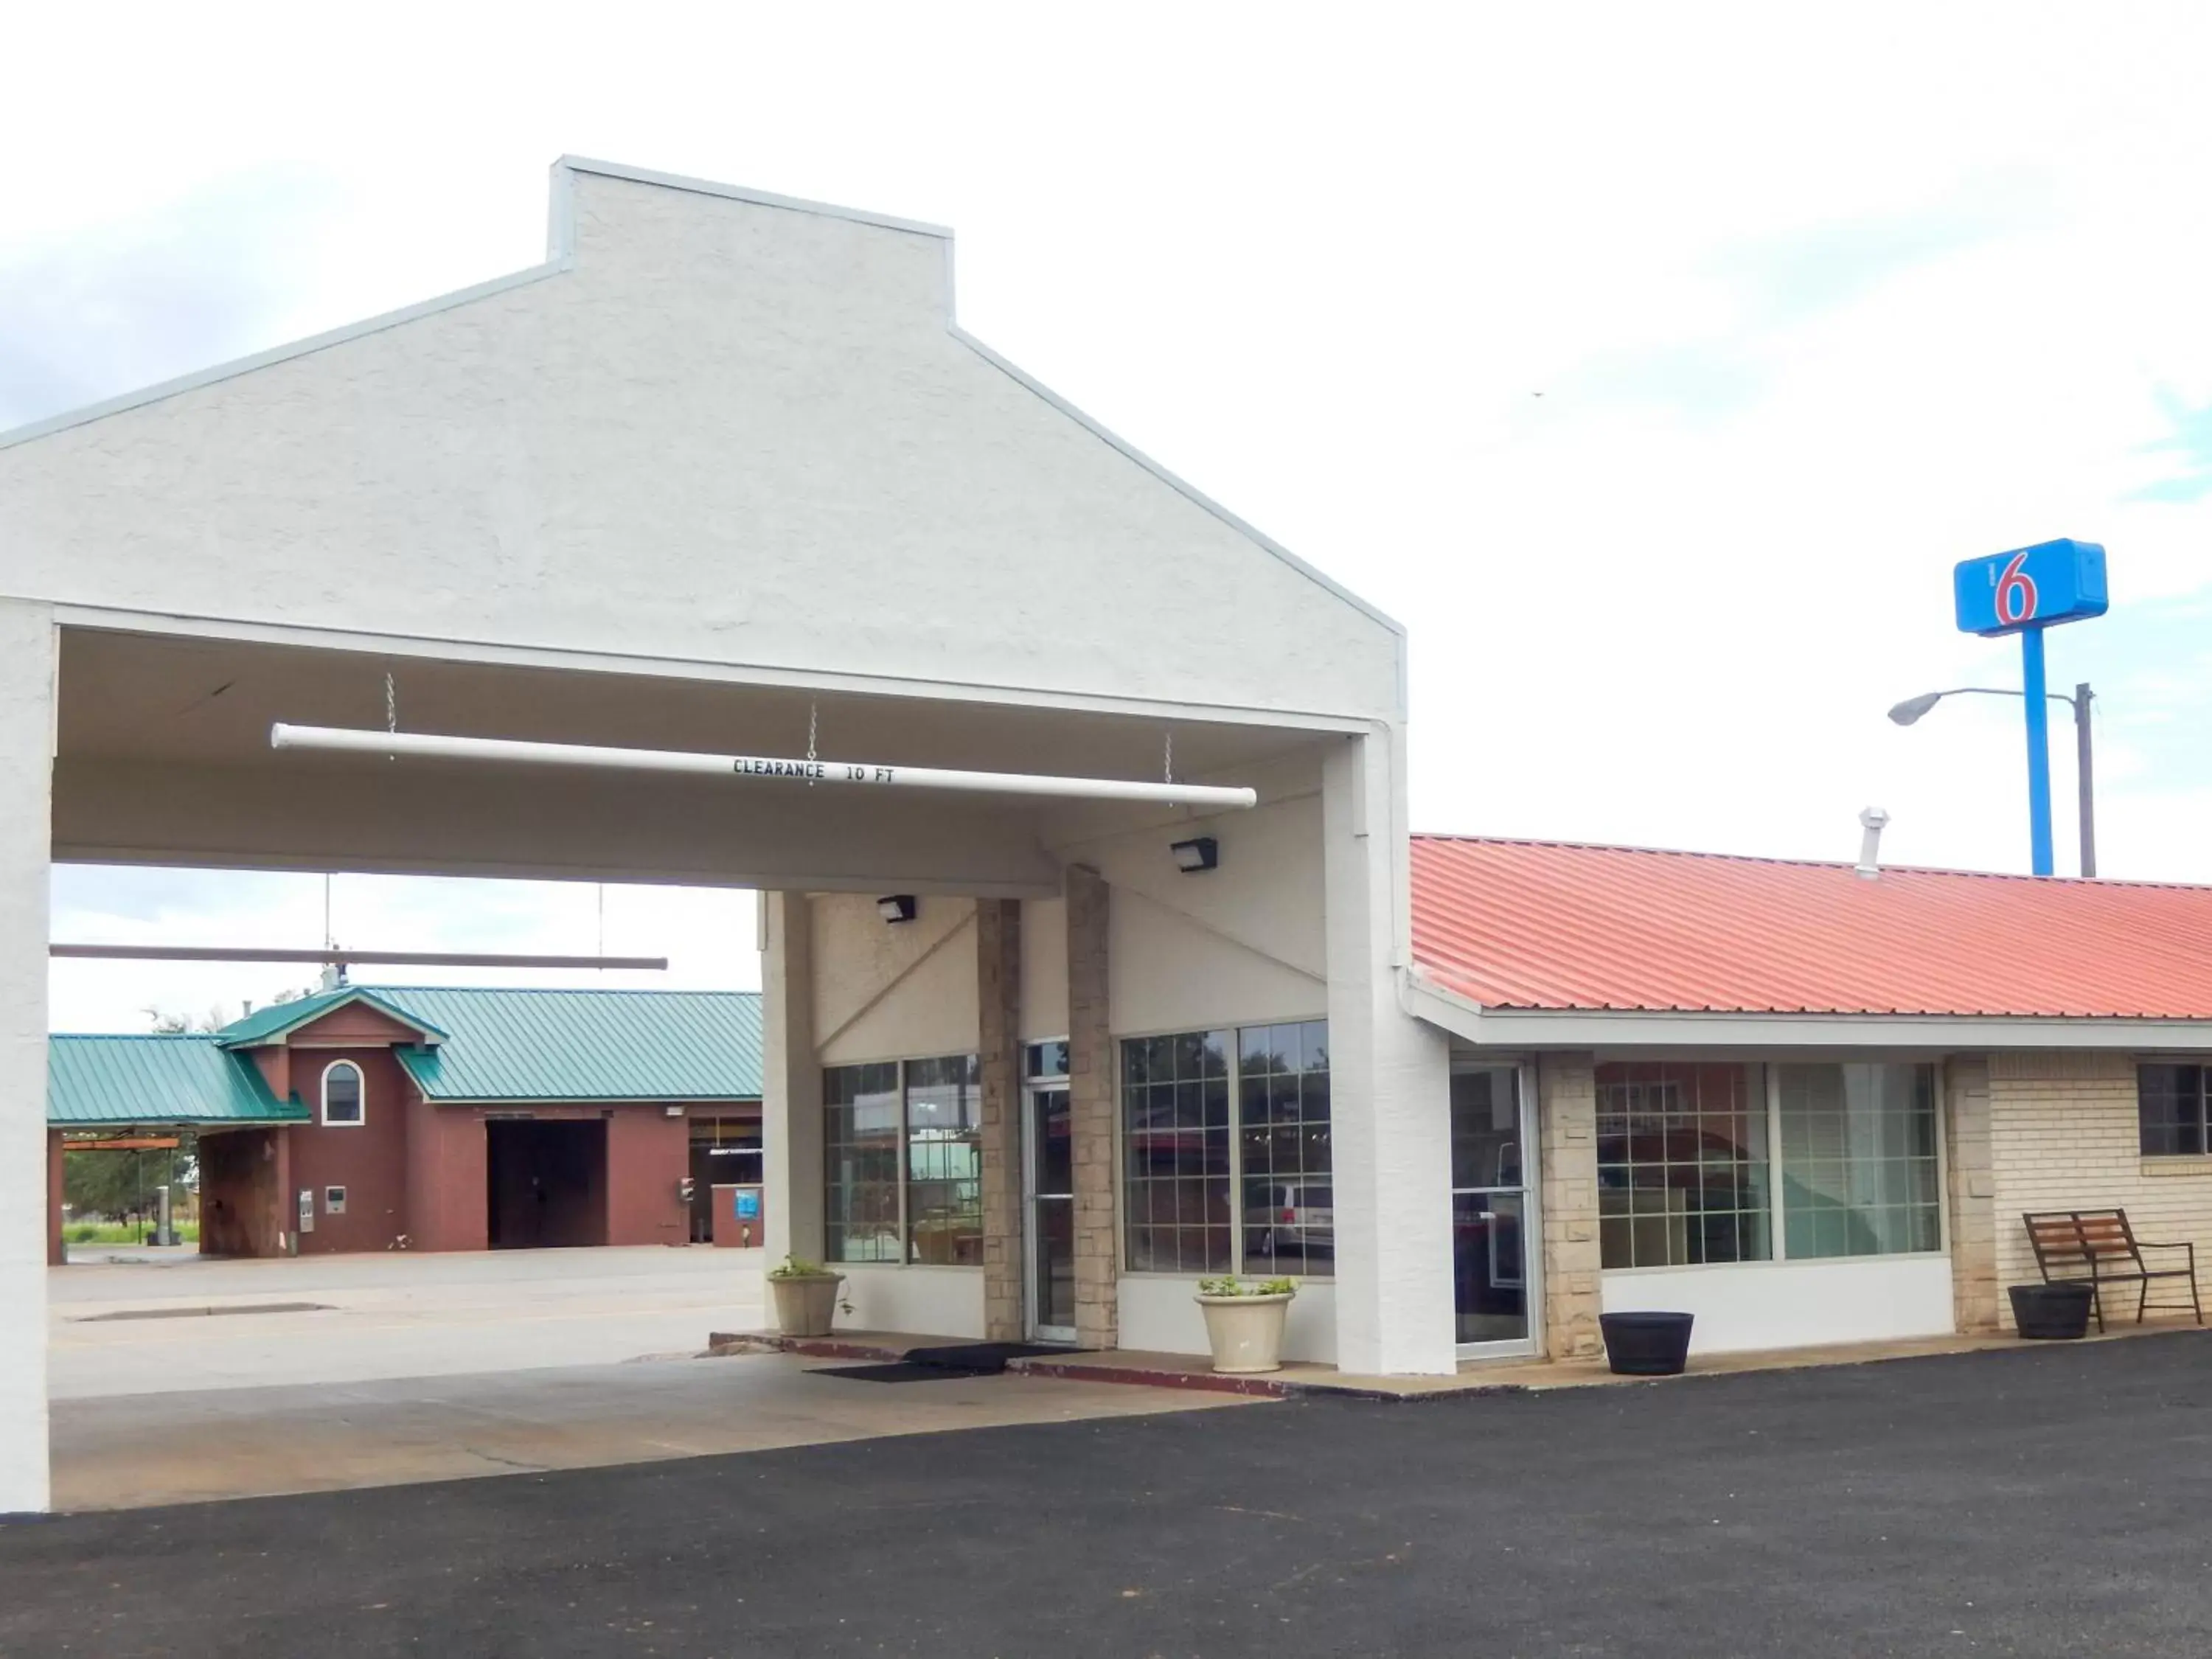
28 692
791 1081
1566 1142
1969 1226
1090 1095
1389 1082
997 1002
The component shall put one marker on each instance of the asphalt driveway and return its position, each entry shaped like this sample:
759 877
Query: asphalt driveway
2053 1501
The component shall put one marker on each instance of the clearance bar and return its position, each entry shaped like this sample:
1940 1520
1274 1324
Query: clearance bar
339 956
430 746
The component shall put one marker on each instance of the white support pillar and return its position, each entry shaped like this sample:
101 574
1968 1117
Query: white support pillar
791 1081
1389 1082
28 659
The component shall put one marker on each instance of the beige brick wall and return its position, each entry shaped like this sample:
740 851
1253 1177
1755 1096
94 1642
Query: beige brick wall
997 991
2064 1136
1566 1137
1971 1221
1090 1111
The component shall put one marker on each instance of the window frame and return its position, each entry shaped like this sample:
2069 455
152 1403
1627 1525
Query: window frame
2203 1067
1770 1064
360 1118
1235 1030
1760 1088
902 1066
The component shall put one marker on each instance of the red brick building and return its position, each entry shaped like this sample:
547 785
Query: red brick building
373 1118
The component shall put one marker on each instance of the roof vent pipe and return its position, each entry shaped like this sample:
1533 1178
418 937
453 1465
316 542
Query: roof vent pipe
1870 823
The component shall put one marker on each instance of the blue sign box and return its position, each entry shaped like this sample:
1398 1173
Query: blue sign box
747 1205
2034 586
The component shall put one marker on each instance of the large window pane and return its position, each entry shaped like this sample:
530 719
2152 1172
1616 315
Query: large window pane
1174 1162
945 1161
2170 1102
1289 1218
860 1163
1858 1159
1682 1164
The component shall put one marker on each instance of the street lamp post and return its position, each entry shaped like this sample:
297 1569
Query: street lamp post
1912 709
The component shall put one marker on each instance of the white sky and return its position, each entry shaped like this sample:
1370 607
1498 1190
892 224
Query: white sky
1816 308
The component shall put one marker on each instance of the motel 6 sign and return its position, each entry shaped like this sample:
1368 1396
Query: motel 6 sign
2025 591
2037 586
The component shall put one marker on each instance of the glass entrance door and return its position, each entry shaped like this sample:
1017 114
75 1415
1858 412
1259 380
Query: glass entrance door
1491 1248
1048 1182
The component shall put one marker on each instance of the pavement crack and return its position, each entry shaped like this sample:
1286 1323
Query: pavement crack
508 1462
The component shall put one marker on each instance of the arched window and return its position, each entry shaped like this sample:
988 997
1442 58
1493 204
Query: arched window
342 1094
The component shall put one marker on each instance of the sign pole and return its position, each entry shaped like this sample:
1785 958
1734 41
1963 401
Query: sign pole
2038 749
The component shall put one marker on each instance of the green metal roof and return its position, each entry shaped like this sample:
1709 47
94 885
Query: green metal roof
264 1024
112 1082
582 1045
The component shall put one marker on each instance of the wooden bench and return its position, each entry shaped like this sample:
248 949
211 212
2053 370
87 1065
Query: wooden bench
2098 1248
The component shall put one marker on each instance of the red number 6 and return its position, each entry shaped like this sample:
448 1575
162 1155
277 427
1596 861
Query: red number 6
2015 593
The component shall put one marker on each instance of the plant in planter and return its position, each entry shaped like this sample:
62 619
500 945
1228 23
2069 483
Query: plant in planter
806 1300
1245 1321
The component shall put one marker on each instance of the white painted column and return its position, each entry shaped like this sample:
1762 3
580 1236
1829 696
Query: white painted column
26 750
1389 1082
791 1081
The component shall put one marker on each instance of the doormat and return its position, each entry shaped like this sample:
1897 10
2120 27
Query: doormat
981 1358
904 1370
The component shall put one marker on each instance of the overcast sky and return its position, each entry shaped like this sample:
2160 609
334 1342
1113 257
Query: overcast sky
1655 364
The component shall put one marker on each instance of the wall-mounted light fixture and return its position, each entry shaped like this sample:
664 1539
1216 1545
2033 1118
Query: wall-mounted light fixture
895 907
1200 853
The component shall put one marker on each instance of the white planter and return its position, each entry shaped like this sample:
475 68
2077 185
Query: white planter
1245 1331
806 1305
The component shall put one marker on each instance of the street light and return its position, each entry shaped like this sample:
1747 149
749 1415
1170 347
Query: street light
1912 709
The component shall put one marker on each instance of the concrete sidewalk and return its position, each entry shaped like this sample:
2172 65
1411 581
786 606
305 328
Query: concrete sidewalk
123 1452
368 1317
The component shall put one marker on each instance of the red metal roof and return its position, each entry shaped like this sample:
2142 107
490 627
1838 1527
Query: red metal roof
1518 924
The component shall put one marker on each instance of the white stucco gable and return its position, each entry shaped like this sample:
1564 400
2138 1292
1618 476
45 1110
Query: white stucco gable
716 426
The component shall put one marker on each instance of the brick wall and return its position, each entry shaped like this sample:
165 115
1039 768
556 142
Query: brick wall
56 1251
648 1153
369 1159
2064 1136
1566 1136
246 1205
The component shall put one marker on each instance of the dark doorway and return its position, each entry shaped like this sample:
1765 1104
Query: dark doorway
547 1182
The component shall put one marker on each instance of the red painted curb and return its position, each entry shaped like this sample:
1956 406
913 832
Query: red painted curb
1200 1382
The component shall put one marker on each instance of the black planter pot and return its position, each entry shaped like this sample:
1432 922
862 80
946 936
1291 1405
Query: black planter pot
2051 1313
1646 1344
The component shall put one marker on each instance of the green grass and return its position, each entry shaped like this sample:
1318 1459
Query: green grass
115 1232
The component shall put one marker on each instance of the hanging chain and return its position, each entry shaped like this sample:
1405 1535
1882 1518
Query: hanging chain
391 710
1167 759
813 721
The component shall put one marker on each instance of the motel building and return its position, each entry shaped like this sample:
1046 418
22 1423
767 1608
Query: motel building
1099 955
440 1118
